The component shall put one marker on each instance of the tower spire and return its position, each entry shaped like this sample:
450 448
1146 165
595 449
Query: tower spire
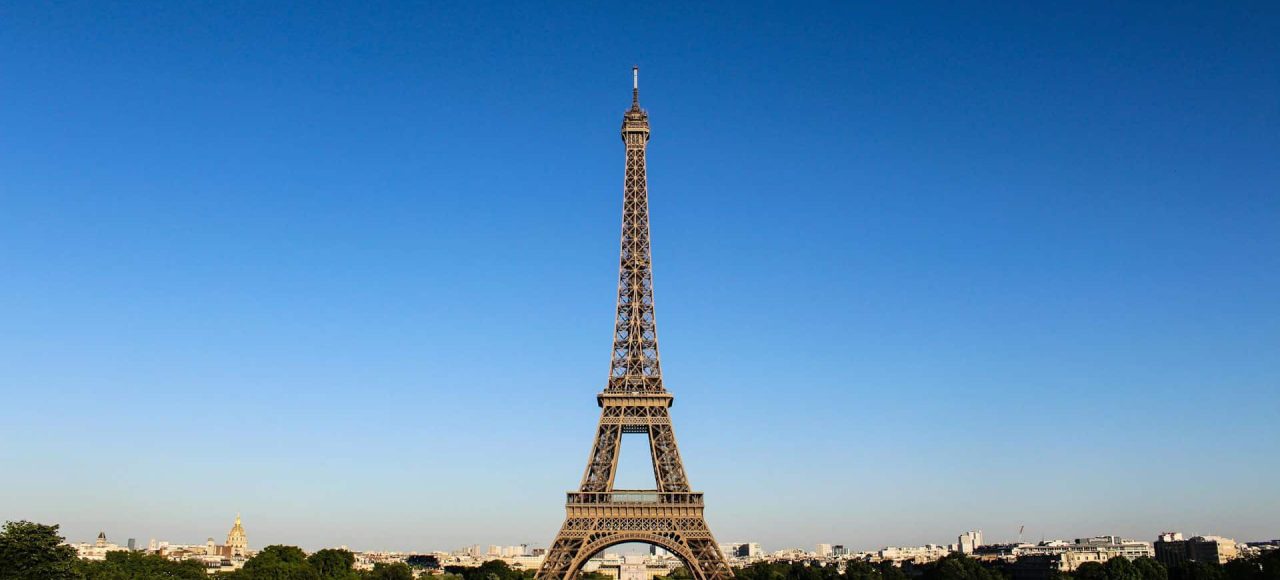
635 365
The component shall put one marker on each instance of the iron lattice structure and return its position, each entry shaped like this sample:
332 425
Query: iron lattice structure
634 401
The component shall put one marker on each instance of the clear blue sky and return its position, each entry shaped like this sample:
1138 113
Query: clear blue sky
920 268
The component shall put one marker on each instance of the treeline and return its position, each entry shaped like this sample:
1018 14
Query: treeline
961 567
291 563
499 570
30 551
1265 566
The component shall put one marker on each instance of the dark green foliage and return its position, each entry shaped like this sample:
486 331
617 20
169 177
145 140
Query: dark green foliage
491 570
888 571
1264 567
1090 571
396 571
423 562
279 563
1243 569
30 551
1150 569
333 564
1270 564
859 570
1196 571
789 571
959 567
1120 568
677 573
140 566
762 571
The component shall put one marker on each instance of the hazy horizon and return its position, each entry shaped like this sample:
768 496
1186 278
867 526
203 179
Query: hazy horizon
920 268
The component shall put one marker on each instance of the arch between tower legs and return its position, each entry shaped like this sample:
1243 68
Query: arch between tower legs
670 542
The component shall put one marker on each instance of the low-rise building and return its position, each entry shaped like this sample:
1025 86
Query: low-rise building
916 554
98 549
1171 549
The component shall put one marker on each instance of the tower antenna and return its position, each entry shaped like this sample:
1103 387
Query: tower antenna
635 85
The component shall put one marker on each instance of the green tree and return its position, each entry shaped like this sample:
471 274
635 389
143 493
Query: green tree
1120 568
1196 571
1090 571
30 551
334 564
1150 569
396 571
278 563
1270 562
139 566
423 562
1243 569
762 571
860 570
960 567
890 571
491 570
677 573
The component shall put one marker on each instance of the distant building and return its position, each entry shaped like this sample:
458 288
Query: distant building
98 549
732 550
916 554
838 551
132 544
1256 548
633 567
1047 560
823 551
1066 556
1171 549
999 552
969 541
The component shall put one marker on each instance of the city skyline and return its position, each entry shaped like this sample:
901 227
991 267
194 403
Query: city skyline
349 271
1026 560
483 549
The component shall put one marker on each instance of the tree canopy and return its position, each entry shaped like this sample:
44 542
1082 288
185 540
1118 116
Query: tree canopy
124 565
333 564
30 551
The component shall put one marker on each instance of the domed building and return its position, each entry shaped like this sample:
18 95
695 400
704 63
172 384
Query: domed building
237 543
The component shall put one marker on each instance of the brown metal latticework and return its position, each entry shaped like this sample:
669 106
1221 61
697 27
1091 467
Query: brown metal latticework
634 401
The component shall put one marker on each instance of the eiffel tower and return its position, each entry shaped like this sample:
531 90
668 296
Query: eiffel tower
634 401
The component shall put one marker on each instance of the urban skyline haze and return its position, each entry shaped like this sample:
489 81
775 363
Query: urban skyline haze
921 268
